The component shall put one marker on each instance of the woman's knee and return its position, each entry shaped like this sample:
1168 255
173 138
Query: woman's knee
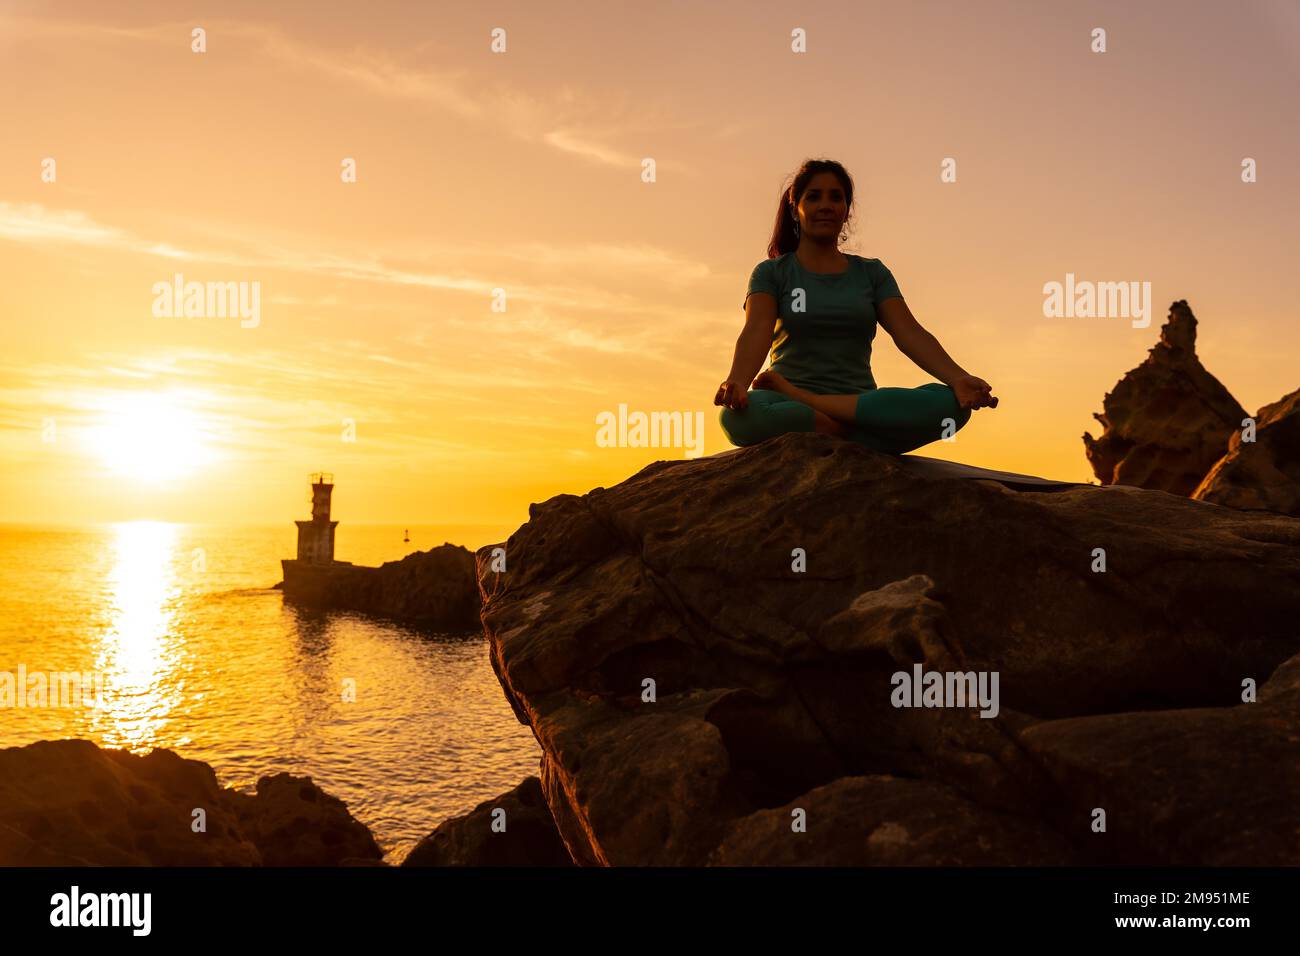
943 420
961 416
767 415
955 417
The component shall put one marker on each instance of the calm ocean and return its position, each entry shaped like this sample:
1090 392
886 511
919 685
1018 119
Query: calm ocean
198 654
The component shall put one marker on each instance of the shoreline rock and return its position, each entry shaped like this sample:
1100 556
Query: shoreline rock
529 839
1167 421
772 686
73 803
1262 474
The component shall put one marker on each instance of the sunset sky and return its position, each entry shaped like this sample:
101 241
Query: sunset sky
522 171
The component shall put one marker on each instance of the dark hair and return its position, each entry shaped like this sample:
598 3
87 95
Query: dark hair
783 235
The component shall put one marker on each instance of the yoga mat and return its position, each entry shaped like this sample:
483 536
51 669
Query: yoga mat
938 468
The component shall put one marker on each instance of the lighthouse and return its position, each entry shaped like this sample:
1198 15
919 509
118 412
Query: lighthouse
316 537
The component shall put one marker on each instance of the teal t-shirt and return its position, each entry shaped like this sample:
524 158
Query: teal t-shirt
825 322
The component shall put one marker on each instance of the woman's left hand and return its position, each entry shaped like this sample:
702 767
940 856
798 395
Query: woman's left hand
973 392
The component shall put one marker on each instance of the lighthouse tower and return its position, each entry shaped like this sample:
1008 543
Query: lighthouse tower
316 537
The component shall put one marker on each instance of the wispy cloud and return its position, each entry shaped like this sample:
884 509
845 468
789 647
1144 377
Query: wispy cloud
30 222
579 145
560 121
35 224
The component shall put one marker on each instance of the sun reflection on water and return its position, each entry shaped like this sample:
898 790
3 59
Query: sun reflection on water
139 653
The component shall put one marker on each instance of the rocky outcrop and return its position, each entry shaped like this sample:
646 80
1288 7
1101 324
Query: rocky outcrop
293 822
709 653
514 829
1168 420
434 588
1214 786
71 803
1263 473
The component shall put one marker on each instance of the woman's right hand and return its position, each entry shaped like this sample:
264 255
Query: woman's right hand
732 394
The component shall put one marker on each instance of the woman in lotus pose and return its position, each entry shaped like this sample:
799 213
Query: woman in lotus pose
817 309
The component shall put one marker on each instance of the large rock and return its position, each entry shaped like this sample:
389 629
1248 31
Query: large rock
1264 473
71 803
1168 420
293 822
770 708
1203 786
529 837
894 822
434 588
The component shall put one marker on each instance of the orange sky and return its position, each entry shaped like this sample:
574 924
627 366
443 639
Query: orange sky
522 171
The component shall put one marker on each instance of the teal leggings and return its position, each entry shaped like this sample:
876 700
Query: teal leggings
894 420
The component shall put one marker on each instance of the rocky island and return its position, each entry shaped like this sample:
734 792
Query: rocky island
434 589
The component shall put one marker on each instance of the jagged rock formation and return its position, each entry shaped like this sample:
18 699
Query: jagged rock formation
71 803
434 588
1263 474
1168 420
707 654
529 837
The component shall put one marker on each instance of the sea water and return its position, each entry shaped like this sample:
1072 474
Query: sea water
199 654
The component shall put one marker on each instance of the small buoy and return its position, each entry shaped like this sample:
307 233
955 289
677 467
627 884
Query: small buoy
406 535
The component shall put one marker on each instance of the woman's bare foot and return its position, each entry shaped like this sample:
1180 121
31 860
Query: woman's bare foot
827 425
822 422
774 381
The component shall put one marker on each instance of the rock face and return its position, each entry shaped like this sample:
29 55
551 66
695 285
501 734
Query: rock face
1263 474
1168 420
709 655
434 588
71 803
529 839
293 822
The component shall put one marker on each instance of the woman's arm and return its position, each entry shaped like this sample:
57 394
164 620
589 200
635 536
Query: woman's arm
752 346
915 342
924 349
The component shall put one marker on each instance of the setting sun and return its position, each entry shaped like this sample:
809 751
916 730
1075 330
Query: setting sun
149 437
